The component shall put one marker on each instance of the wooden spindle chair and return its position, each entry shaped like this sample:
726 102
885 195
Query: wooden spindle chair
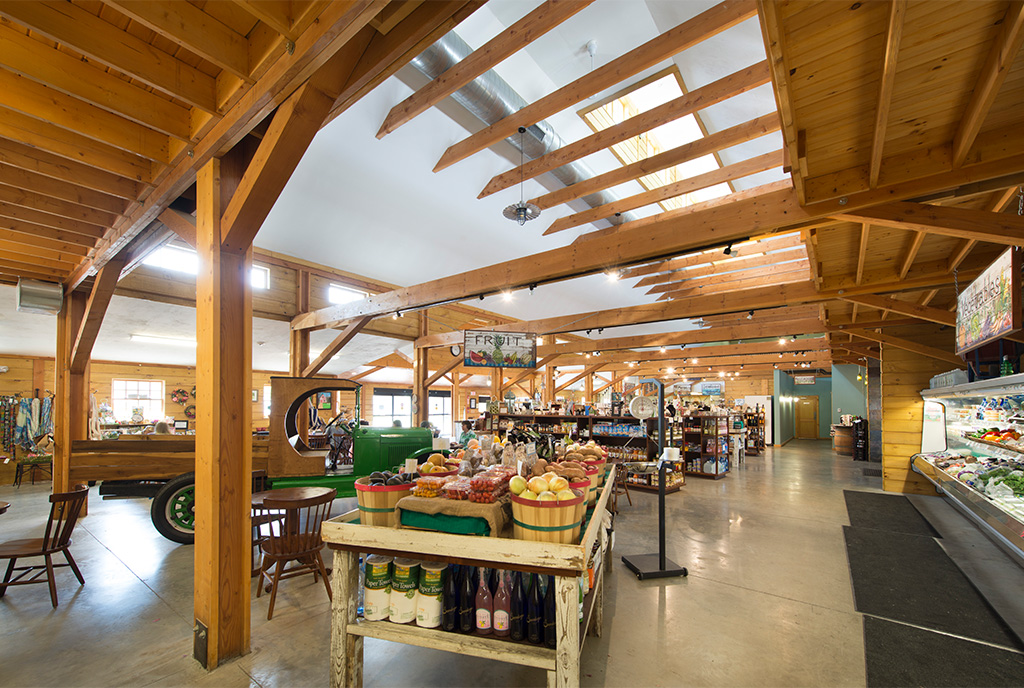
295 539
65 508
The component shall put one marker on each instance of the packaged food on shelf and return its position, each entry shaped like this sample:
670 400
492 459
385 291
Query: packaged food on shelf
430 485
487 487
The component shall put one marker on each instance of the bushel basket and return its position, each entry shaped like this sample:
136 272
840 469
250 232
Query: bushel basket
377 502
554 521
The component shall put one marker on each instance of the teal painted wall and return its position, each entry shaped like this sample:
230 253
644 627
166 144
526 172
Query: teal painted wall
785 413
822 388
849 395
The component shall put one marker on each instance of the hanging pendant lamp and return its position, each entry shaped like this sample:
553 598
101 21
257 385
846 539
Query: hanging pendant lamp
522 211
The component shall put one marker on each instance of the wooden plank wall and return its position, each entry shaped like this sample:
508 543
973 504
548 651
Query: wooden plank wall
904 375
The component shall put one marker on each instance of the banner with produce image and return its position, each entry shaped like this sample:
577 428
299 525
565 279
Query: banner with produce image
989 308
486 349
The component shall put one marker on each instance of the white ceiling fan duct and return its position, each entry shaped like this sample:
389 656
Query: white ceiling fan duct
491 99
36 296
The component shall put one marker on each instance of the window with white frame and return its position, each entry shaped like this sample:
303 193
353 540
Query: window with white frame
137 400
184 259
439 411
260 277
390 405
266 401
337 293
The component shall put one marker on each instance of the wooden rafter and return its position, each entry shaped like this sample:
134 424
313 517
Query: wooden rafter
897 342
810 239
658 49
546 360
95 309
914 310
862 251
589 370
448 367
517 36
40 162
731 271
60 190
1000 59
897 12
181 224
713 143
705 96
335 346
787 273
728 264
911 253
738 170
963 223
712 256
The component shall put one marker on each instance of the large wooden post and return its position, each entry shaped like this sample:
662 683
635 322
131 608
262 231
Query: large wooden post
71 393
420 403
223 427
298 347
458 406
549 385
588 388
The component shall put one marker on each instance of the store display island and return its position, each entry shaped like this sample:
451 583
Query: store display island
982 475
566 562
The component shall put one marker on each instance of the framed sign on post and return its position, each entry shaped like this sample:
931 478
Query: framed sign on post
712 388
486 349
803 379
989 308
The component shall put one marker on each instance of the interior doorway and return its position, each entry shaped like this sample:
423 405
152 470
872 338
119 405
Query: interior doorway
807 418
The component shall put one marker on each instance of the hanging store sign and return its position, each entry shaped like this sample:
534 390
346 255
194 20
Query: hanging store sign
989 308
711 389
803 379
486 349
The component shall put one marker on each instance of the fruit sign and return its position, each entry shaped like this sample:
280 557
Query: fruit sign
500 349
989 308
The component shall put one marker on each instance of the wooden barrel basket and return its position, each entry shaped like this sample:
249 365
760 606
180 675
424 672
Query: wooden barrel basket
548 521
377 502
594 475
599 464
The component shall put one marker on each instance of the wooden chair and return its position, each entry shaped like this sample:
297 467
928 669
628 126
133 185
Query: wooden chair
260 519
64 510
620 487
296 539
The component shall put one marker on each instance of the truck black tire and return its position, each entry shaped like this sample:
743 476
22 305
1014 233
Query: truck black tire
174 507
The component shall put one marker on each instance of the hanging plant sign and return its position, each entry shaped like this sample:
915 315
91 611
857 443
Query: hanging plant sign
486 349
989 308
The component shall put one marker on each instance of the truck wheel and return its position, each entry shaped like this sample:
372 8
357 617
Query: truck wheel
174 507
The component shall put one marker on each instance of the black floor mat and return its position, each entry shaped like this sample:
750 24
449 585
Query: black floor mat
898 655
886 512
910 578
872 472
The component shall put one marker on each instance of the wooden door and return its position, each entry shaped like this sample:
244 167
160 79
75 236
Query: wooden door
807 418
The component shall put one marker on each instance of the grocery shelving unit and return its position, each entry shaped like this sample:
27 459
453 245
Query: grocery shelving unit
613 432
754 420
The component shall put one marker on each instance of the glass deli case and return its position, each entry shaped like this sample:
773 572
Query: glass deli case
972 449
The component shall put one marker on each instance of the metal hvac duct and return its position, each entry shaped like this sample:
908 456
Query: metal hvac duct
490 99
35 296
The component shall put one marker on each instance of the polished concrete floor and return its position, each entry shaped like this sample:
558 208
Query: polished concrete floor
768 600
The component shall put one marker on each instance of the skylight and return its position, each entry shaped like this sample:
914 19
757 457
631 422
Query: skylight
659 89
337 293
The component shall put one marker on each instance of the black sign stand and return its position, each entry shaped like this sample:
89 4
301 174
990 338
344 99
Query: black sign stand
657 565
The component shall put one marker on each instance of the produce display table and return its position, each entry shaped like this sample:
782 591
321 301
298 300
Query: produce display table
565 562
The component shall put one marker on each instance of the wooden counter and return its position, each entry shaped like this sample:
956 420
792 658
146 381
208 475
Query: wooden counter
565 562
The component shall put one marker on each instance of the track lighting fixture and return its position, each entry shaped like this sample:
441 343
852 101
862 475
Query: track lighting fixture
728 250
750 315
396 316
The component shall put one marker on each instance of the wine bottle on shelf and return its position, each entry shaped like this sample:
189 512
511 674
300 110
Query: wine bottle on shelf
484 607
450 599
534 612
492 581
550 638
502 609
467 601
517 608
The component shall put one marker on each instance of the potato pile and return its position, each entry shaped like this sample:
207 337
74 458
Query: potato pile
570 470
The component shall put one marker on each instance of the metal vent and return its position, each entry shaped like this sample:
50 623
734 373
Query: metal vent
35 296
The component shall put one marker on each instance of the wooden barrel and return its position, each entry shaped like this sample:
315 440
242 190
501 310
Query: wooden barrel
377 502
842 440
599 464
594 475
555 521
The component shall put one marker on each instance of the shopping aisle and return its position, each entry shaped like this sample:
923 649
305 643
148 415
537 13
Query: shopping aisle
768 600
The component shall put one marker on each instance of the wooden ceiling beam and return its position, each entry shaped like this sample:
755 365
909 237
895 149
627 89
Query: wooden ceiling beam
964 248
49 165
866 351
451 365
45 259
181 224
897 12
714 256
32 231
589 370
517 36
31 243
331 350
690 352
997 65
274 13
697 99
914 310
40 102
996 228
728 264
60 190
677 39
194 30
707 145
78 78
359 376
14 212
780 274
738 170
810 239
614 381
80 30
29 268
547 360
862 251
71 211
873 324
914 347
911 253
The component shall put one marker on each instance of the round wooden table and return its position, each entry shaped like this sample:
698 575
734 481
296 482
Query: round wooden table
262 515
288 493
4 506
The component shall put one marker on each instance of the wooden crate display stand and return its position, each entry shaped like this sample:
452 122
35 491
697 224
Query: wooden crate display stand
564 562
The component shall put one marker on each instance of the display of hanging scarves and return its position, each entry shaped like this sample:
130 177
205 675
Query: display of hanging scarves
21 429
46 417
8 421
33 420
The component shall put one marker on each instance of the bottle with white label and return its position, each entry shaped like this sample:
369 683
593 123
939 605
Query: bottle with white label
484 606
502 607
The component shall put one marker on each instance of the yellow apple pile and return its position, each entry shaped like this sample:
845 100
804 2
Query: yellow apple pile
549 487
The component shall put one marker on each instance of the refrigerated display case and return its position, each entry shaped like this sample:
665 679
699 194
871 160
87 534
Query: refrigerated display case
972 450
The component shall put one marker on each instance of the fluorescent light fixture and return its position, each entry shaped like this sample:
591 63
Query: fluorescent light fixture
166 341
